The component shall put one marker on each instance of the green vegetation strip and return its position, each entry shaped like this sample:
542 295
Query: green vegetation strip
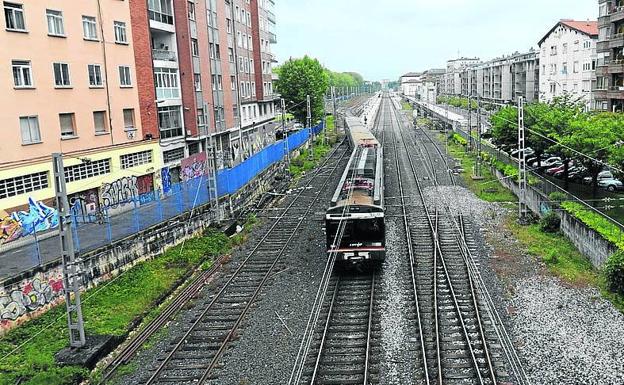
109 309
407 106
310 158
607 229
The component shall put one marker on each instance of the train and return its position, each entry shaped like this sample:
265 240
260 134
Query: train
355 220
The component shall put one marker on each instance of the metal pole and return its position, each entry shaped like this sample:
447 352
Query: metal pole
469 123
522 178
478 164
309 122
71 264
333 95
284 130
213 145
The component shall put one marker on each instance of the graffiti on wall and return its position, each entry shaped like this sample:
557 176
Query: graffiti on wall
119 192
166 180
84 205
126 190
39 217
31 297
193 167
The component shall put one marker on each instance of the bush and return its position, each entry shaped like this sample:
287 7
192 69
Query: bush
614 272
557 196
550 223
603 226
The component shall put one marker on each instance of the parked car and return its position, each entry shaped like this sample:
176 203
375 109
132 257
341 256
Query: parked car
559 168
606 174
297 126
611 184
548 163
527 151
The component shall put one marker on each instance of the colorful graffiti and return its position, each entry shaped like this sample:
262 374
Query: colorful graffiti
166 180
84 205
32 296
119 192
193 167
38 218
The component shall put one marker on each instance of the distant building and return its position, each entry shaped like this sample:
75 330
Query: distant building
409 83
451 81
608 92
568 60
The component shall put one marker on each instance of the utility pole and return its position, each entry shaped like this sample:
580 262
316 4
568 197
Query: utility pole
309 122
333 95
470 123
213 145
478 163
522 177
284 130
71 265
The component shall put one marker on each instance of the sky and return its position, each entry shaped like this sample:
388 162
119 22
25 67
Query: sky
383 39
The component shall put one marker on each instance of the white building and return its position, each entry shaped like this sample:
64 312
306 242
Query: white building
451 82
568 60
410 83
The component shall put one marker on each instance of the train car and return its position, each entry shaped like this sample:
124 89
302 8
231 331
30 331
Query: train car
354 222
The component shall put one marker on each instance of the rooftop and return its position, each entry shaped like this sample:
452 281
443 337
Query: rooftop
587 27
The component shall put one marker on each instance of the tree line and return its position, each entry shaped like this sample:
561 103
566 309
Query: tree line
300 77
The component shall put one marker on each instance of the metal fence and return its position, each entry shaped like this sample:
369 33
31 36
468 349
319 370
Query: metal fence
91 231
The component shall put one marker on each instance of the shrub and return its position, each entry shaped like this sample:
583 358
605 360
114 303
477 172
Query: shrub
550 223
557 196
614 272
603 226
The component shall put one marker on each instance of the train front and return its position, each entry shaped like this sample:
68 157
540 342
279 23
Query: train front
354 223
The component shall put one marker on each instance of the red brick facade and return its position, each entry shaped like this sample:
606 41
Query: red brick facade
185 63
144 67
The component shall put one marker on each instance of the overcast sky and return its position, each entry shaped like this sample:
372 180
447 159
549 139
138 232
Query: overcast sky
384 39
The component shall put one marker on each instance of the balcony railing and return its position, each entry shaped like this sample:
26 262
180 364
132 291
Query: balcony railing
615 10
160 17
170 132
161 54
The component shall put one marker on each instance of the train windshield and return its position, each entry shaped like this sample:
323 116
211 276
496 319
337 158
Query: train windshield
357 233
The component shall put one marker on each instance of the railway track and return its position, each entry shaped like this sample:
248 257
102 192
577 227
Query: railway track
452 336
343 344
195 356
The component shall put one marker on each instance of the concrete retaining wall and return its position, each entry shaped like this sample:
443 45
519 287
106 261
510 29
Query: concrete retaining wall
588 241
33 292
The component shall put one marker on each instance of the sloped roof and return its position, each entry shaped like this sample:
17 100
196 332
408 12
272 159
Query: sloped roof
588 27
411 75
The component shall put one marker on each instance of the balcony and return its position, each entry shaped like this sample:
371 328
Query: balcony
616 13
171 133
164 55
272 38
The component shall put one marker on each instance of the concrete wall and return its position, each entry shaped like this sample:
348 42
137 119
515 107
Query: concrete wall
588 241
34 292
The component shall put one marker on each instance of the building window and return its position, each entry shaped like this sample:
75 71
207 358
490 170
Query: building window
553 50
61 75
220 82
575 67
22 74
29 127
124 76
251 66
160 11
169 122
233 82
217 52
201 121
253 88
565 48
86 170
89 28
242 89
197 82
194 47
239 39
166 81
191 10
128 114
120 32
68 125
95 75
135 159
173 155
23 184
241 65
231 55
250 43
228 24
55 22
14 17
587 44
100 123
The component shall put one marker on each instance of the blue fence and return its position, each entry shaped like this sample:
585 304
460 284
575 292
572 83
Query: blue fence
92 231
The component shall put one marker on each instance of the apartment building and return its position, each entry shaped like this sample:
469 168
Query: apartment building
410 83
427 90
608 91
69 85
568 60
211 63
451 82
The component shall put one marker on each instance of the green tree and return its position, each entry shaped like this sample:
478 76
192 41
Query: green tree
299 78
505 126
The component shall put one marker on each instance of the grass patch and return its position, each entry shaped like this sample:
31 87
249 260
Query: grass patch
407 106
241 237
311 157
288 116
607 229
489 189
108 309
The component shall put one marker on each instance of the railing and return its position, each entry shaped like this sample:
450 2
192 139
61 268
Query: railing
160 17
615 10
161 54
170 132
